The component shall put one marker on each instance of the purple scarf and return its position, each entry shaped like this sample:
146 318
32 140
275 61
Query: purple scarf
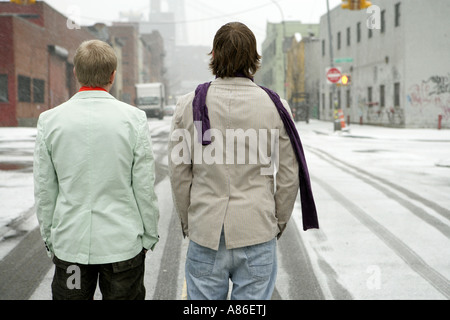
200 113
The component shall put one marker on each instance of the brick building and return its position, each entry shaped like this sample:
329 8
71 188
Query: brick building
278 40
104 33
36 61
128 36
142 57
153 46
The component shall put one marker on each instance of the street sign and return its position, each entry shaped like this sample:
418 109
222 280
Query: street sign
343 60
333 75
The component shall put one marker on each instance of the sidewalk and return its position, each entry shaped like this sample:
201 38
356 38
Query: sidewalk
377 132
380 133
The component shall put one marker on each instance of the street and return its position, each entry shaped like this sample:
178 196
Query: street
382 201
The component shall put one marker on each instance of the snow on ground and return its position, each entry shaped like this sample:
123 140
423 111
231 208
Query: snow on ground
370 230
16 170
404 156
16 173
17 145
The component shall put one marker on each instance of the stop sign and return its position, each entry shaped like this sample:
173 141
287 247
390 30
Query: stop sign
333 75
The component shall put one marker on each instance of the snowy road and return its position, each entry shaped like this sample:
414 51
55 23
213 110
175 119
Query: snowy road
384 211
383 205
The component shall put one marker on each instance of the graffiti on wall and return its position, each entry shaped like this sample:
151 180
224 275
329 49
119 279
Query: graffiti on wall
372 112
433 93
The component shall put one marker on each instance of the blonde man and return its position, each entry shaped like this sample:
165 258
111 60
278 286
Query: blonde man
94 185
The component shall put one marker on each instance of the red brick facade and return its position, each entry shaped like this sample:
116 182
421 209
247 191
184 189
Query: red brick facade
36 60
7 72
130 73
37 48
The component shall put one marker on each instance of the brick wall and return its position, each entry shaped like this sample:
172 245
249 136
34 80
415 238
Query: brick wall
30 61
28 35
128 36
7 108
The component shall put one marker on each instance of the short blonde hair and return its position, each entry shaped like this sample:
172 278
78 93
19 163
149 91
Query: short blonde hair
94 61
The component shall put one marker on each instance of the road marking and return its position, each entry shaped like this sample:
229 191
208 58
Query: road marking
184 291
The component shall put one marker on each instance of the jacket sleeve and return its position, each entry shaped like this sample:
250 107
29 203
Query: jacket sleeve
143 180
180 166
46 187
287 181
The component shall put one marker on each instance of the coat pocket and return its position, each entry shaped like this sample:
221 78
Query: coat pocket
129 264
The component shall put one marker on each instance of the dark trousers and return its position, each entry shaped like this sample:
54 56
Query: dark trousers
122 280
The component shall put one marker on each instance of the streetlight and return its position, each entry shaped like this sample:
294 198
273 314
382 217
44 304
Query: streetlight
283 45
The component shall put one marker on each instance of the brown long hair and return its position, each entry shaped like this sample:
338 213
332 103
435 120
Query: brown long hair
234 51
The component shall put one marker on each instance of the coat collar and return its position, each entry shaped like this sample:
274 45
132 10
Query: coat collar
92 94
233 81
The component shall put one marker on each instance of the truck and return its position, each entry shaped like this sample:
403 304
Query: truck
150 97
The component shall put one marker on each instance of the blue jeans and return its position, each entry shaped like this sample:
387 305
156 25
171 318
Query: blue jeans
252 270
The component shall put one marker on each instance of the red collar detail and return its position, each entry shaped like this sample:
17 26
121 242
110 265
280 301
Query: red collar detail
91 89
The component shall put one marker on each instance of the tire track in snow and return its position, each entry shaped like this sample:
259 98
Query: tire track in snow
412 259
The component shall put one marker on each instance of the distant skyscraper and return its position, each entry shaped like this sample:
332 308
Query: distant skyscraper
172 12
177 7
155 6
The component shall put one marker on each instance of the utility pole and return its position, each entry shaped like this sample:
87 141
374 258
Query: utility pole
283 47
333 87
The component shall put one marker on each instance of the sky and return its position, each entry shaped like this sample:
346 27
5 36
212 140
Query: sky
203 17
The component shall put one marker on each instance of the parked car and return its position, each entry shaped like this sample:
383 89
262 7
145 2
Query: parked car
169 110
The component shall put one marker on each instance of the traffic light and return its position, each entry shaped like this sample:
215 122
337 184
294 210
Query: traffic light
355 4
363 4
346 4
346 79
23 1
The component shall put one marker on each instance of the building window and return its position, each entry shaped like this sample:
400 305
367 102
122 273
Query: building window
397 14
339 99
370 33
397 94
339 40
369 95
38 90
24 89
358 32
4 88
331 100
382 100
348 36
349 101
323 48
383 21
323 101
